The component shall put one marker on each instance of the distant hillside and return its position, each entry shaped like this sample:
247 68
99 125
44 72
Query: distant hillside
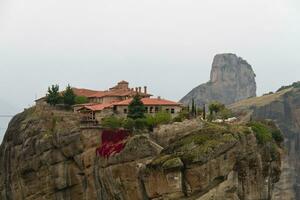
249 104
283 107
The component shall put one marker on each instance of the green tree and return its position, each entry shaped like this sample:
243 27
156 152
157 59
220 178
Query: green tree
194 110
136 108
53 96
215 108
204 112
69 96
81 100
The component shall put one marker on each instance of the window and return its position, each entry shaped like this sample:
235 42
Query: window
93 116
156 109
172 110
115 109
167 110
146 109
125 110
151 109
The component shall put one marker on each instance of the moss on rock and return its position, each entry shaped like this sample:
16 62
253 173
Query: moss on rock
201 145
174 163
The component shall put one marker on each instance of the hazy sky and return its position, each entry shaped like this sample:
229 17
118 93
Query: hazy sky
165 44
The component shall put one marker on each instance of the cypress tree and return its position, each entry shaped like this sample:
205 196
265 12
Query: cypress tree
53 97
193 108
69 96
204 112
136 108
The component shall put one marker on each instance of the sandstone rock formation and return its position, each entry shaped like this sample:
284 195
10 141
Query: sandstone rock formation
47 154
284 108
232 79
225 165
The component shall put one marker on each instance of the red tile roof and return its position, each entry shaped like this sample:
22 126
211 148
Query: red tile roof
96 107
116 93
84 104
97 94
84 92
149 102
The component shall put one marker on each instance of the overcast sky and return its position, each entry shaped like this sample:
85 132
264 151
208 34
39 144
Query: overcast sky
165 44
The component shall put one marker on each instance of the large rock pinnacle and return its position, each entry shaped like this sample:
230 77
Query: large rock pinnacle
232 79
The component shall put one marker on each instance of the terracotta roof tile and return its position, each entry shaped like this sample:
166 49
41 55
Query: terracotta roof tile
96 107
84 92
116 93
150 102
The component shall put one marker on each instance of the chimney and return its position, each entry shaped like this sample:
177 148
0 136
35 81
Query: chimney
159 97
145 89
136 89
140 89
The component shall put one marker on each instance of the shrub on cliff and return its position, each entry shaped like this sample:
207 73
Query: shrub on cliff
266 131
262 132
157 119
182 115
275 131
140 124
225 114
128 124
277 136
112 122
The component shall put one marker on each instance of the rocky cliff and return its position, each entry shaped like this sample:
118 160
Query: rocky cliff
48 154
232 79
284 108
